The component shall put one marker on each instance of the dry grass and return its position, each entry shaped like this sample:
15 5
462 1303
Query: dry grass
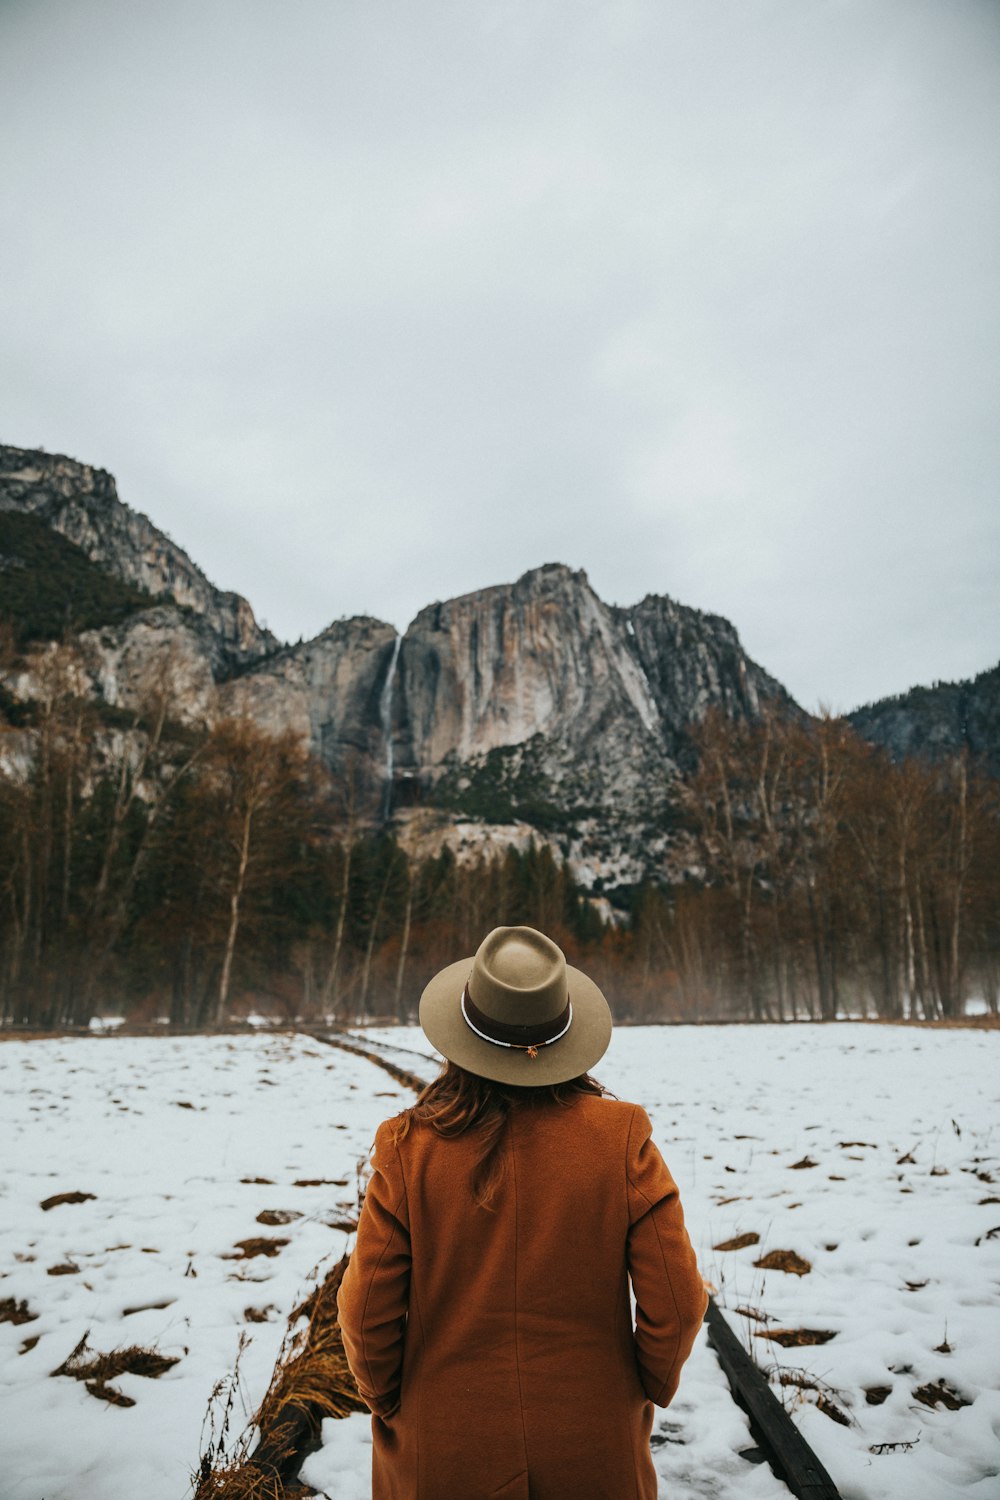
258 1245
15 1312
58 1198
796 1338
311 1381
939 1393
821 1395
98 1370
784 1260
739 1242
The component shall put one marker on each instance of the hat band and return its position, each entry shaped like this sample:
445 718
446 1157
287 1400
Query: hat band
522 1038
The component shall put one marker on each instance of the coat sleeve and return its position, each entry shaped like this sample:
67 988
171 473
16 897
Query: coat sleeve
669 1292
374 1293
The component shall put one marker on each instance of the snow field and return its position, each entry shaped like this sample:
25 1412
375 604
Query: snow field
110 1116
897 1275
902 1268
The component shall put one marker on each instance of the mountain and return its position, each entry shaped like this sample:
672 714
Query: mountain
81 504
529 708
938 721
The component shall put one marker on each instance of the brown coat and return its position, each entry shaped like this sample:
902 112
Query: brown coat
497 1349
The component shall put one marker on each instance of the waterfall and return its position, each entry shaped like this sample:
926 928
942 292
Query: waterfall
385 717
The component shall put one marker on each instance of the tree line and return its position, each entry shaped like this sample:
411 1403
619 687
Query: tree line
160 871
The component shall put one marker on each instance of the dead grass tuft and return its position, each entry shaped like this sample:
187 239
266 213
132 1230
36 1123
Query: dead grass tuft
820 1393
98 1370
57 1198
756 1313
259 1314
796 1338
832 1410
784 1260
739 1241
16 1312
311 1381
259 1245
940 1393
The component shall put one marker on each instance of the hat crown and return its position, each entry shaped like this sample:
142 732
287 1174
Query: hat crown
519 977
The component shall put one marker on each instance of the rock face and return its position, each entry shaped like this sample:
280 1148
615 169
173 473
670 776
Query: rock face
535 700
329 689
528 706
938 721
82 504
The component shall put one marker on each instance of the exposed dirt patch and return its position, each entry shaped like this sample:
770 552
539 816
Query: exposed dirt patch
278 1216
739 1241
803 1165
128 1312
66 1269
784 1260
261 1181
58 1198
876 1394
29 1344
318 1182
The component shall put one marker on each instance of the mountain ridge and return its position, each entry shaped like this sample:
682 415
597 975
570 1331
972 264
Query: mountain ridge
532 701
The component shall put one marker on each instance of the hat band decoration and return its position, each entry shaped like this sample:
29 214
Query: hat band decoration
521 1038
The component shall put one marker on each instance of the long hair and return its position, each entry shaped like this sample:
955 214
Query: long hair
457 1101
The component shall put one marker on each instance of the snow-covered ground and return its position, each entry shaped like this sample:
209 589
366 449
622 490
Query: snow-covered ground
161 1131
871 1152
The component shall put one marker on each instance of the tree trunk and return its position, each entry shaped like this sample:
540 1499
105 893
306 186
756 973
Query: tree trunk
234 918
328 995
404 944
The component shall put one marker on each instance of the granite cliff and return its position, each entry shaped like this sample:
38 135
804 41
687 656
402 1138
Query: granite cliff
82 504
528 708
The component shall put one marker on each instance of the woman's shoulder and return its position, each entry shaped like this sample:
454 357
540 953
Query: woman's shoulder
605 1114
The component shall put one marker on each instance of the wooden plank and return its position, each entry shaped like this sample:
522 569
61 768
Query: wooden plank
786 1450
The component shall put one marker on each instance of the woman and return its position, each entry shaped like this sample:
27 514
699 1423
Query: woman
485 1310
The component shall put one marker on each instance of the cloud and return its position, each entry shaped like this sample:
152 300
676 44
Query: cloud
371 306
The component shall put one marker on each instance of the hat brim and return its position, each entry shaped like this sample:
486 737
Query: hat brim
583 1045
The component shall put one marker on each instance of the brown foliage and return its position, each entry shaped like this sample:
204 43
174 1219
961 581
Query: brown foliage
12 1311
58 1198
98 1370
739 1242
259 1245
311 1381
796 1338
784 1260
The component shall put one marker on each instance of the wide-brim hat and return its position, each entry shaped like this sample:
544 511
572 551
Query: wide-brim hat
516 1011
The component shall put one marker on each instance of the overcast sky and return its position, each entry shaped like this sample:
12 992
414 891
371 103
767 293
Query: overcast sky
369 305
